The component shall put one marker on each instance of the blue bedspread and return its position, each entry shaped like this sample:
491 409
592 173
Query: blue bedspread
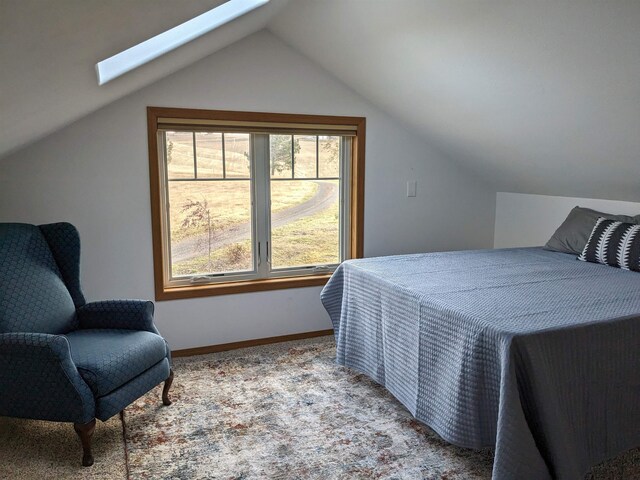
528 351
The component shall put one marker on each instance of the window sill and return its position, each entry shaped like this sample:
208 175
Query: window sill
209 290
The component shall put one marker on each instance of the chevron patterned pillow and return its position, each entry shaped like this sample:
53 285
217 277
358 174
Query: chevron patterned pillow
614 243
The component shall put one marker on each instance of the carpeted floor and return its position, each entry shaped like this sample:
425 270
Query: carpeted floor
280 411
31 449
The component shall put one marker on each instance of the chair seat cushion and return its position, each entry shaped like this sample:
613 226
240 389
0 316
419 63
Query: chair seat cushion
107 358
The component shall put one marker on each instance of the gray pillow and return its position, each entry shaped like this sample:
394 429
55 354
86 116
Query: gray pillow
573 234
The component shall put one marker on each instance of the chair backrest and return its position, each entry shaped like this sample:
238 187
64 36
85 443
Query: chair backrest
33 294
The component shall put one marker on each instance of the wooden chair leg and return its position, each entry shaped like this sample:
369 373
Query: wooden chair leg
165 390
85 431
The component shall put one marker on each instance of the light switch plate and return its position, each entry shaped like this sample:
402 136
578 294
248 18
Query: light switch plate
411 188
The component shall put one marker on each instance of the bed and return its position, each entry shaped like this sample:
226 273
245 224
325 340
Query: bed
527 351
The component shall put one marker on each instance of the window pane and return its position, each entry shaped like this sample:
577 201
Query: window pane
209 154
210 227
236 154
179 150
305 223
329 156
305 158
280 155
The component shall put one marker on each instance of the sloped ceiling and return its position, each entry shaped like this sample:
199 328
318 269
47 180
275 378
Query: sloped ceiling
48 49
539 96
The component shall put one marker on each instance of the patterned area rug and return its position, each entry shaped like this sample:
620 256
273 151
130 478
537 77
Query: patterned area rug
289 412
285 412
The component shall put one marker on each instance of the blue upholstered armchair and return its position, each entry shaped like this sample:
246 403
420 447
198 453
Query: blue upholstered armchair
63 359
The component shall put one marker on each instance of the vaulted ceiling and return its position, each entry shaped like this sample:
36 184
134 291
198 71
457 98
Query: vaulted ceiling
48 50
538 96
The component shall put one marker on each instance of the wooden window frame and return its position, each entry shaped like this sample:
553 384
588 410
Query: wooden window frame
356 206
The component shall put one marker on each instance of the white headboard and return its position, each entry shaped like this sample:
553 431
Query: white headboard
524 220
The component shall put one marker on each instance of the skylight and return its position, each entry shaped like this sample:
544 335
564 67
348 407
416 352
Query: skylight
148 50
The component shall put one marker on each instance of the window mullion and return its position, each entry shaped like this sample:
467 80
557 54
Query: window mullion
224 158
195 155
261 202
293 159
267 203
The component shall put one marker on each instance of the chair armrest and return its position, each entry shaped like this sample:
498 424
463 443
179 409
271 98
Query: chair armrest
39 380
124 314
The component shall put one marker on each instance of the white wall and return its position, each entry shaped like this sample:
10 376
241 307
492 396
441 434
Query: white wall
524 220
94 174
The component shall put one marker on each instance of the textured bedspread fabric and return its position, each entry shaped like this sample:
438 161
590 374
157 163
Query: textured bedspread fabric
528 351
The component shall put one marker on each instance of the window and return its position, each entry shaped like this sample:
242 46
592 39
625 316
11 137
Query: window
252 201
150 49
